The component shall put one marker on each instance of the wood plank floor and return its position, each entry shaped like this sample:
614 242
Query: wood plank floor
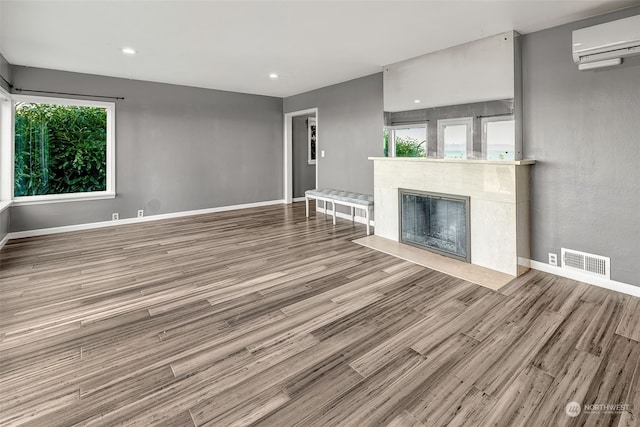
265 317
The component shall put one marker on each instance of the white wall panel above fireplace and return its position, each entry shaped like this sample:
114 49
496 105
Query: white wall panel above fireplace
481 70
499 202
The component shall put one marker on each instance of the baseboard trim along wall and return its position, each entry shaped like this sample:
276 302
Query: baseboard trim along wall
4 241
621 287
613 285
89 226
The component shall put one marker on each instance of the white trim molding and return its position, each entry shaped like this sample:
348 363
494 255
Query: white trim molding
110 159
4 241
102 224
61 198
4 205
288 149
462 121
391 137
6 146
621 287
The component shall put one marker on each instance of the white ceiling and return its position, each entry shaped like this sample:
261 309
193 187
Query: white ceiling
234 45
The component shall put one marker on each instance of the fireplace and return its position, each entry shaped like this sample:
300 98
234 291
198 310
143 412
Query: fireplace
498 209
436 222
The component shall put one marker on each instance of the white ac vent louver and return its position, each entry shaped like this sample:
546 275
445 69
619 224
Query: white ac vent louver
594 265
606 44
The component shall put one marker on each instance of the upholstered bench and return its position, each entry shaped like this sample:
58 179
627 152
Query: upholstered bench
343 198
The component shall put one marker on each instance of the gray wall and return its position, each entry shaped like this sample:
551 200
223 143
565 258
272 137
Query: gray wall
4 223
178 149
350 122
583 127
304 174
5 72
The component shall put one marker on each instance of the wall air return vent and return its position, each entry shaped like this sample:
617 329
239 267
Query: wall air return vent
594 265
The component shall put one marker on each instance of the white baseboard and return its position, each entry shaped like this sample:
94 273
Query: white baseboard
575 275
624 288
4 241
359 219
5 205
102 224
298 199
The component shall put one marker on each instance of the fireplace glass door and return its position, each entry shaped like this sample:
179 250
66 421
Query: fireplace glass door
436 222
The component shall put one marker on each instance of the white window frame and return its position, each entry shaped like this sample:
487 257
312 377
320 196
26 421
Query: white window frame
392 136
442 123
110 192
493 119
6 149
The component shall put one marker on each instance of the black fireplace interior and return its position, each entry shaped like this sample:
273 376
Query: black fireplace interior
436 222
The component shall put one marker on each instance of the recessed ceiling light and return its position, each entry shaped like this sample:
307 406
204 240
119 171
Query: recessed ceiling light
416 101
273 76
129 51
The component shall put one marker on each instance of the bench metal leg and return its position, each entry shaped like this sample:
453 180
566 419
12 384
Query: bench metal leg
355 210
334 212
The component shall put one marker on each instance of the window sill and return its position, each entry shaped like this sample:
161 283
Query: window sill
61 198
5 205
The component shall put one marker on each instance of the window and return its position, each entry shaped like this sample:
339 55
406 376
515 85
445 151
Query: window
406 141
455 138
6 156
63 150
499 137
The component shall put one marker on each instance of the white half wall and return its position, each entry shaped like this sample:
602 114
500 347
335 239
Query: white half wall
481 70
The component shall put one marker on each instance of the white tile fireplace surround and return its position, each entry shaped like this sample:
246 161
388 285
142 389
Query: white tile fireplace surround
499 203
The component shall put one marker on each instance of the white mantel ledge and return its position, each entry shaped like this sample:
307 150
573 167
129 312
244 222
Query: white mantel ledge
470 161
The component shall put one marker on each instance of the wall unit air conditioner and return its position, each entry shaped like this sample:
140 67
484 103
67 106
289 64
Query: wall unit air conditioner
606 44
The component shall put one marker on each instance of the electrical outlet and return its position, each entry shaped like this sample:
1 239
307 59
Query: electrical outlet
140 213
553 259
115 216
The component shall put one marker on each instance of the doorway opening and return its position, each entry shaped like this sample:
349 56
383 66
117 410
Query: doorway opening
290 156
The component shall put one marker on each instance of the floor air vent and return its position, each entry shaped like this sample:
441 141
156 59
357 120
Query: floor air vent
595 265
